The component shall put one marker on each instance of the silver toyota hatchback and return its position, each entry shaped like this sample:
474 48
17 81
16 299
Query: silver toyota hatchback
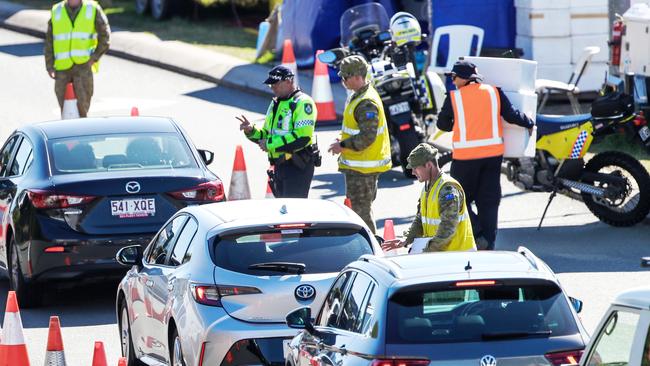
213 286
442 309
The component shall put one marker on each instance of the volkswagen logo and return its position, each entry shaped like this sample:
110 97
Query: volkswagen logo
488 360
132 187
305 292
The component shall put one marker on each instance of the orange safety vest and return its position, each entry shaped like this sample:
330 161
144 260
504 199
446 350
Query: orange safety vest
478 132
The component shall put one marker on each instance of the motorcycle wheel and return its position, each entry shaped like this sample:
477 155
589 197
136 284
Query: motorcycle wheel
407 142
633 205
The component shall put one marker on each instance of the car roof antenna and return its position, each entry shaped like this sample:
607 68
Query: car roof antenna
468 266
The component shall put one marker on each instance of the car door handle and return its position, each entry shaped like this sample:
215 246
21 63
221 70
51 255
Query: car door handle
149 283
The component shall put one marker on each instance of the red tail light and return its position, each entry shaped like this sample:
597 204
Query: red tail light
202 354
291 226
208 191
640 120
49 200
56 249
564 358
475 283
211 295
404 127
400 362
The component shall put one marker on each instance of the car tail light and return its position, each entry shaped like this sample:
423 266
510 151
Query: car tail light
640 120
208 191
400 362
55 249
565 357
49 200
202 354
291 226
211 295
476 283
405 127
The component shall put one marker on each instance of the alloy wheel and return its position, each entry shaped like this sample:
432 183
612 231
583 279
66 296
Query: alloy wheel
178 352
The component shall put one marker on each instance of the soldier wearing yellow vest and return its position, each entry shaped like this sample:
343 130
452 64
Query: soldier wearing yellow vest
364 146
77 36
442 214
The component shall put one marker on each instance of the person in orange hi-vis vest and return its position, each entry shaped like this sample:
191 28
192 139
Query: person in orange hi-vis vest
473 112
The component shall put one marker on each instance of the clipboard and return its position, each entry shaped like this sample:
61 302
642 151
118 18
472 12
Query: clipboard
419 244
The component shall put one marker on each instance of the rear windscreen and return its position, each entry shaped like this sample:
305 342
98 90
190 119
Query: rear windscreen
290 251
503 311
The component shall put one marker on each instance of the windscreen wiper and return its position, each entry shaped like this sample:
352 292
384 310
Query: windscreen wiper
511 335
288 267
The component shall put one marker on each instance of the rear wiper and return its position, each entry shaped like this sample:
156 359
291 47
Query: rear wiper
511 335
288 267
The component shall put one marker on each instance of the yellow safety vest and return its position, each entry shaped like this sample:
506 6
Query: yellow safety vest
73 43
376 157
463 239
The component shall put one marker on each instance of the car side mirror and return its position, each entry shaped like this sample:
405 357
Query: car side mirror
577 304
130 256
207 156
299 318
645 262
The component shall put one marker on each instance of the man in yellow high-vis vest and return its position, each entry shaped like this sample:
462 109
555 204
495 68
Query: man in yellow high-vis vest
77 36
442 216
364 146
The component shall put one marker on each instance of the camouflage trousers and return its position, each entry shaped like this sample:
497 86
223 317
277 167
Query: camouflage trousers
81 77
361 189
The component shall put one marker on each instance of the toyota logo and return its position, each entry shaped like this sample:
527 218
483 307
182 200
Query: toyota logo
488 360
305 292
132 187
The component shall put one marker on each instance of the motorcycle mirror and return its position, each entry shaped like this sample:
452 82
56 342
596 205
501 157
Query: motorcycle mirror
327 57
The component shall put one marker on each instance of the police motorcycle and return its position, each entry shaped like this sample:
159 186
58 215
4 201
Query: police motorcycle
411 97
613 185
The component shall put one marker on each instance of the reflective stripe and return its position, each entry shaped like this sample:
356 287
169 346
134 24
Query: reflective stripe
461 116
74 35
436 222
279 132
478 143
57 12
365 163
495 117
352 131
73 53
89 11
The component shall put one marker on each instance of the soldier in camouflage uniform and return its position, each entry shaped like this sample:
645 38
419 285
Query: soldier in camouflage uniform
364 146
442 212
80 72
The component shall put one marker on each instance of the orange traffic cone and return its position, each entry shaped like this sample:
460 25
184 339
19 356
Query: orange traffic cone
239 189
289 59
54 353
135 112
269 191
99 355
70 108
321 91
120 362
389 230
13 351
347 202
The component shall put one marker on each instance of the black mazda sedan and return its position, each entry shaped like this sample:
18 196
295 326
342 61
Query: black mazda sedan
73 192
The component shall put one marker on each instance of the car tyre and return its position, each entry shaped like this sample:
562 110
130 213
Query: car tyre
126 340
28 294
177 350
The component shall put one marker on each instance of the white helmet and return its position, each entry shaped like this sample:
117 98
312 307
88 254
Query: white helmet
404 28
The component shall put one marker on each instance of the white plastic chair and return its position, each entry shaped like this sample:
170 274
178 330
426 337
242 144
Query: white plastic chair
460 44
546 87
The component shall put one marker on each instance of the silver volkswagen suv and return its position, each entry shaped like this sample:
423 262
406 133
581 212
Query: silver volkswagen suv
460 308
214 284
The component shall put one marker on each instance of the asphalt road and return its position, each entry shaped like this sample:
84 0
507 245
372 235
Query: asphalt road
594 261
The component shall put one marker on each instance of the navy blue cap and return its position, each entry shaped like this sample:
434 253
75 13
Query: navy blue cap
464 70
278 73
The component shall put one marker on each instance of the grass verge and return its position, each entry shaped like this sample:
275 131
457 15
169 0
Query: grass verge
623 144
213 29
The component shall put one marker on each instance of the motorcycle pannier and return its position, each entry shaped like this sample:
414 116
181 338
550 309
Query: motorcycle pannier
612 104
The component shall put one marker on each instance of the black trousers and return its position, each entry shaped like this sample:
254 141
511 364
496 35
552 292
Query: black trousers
291 181
481 181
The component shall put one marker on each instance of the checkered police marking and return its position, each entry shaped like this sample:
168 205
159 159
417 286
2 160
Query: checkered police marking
303 123
578 145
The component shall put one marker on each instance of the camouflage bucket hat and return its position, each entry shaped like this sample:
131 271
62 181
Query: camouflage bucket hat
421 154
353 66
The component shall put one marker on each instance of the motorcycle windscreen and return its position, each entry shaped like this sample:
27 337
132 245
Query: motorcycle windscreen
358 19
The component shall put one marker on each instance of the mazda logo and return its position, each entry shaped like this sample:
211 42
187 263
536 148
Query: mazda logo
488 360
132 187
305 292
